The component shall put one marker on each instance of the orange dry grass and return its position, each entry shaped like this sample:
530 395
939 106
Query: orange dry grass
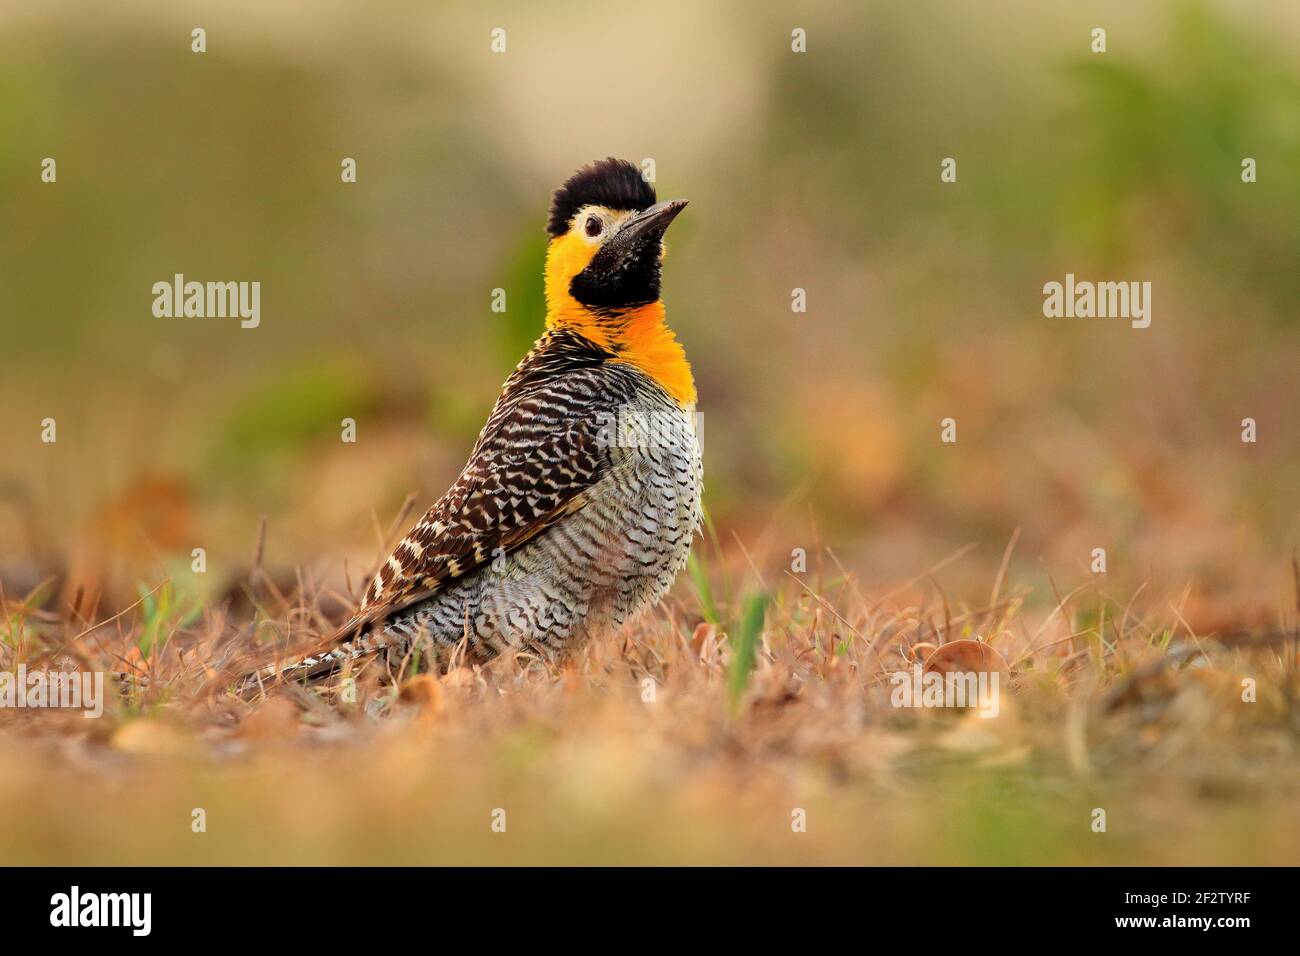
630 753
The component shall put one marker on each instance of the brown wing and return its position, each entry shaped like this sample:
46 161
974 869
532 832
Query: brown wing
542 450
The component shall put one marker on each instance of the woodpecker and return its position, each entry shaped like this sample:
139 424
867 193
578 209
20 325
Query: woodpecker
578 504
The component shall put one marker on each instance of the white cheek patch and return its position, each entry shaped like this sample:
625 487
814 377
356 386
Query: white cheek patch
611 218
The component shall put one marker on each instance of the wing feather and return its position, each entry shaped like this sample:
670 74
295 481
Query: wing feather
541 452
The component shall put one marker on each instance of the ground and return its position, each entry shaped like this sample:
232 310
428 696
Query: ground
1125 738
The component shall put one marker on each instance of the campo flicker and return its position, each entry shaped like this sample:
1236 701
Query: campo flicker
580 499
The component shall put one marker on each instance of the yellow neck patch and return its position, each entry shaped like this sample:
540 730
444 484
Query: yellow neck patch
640 336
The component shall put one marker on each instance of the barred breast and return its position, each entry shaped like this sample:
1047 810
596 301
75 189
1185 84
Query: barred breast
593 569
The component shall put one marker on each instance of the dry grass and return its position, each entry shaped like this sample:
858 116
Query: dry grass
1117 703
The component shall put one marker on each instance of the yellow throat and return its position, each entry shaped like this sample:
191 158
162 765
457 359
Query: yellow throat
639 336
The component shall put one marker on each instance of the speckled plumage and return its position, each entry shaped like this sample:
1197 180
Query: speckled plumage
575 511
578 504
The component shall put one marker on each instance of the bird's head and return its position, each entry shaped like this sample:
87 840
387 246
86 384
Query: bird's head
606 249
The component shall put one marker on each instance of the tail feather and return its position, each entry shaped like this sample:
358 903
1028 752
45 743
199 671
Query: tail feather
317 665
367 632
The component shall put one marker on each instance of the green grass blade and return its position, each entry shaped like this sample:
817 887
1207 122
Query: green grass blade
703 590
745 647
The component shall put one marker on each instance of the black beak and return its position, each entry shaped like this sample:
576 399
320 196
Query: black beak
654 219
625 271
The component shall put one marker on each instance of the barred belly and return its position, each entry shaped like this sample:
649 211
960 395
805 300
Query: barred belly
593 570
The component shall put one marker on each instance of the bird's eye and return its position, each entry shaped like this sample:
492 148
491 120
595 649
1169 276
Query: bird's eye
593 226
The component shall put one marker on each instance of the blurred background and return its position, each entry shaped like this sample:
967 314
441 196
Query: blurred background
817 171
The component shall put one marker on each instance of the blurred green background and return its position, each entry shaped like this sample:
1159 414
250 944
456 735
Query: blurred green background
817 171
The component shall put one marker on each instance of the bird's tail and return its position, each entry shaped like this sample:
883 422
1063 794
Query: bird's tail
335 653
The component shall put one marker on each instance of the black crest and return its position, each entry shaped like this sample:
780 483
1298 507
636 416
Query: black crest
615 183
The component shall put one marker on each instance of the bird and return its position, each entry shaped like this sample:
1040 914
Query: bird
581 497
